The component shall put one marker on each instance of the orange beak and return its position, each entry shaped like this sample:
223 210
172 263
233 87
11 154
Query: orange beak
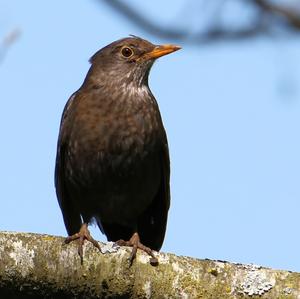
159 51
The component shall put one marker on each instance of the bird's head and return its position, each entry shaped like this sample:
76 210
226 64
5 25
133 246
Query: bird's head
127 60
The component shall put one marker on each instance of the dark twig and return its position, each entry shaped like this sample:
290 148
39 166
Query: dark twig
143 22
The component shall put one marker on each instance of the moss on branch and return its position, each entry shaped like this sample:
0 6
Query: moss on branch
39 266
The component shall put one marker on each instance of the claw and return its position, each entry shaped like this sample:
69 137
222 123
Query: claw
81 236
135 243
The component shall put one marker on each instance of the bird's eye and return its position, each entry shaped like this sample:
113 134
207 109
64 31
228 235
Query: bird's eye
126 52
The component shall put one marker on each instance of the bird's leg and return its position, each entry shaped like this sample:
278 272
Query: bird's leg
136 244
81 236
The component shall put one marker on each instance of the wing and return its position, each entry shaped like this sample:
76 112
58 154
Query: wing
71 215
152 224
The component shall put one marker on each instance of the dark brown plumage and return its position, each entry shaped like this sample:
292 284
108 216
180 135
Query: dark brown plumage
112 161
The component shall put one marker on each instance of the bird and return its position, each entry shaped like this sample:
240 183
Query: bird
112 164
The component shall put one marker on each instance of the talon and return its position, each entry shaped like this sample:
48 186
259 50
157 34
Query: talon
154 261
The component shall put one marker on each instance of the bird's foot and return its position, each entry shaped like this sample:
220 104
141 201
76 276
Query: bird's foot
136 244
81 236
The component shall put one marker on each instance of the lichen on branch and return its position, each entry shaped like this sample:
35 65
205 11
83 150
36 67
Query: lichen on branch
40 266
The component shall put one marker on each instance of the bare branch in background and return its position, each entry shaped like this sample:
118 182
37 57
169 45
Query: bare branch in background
265 16
8 40
289 15
142 21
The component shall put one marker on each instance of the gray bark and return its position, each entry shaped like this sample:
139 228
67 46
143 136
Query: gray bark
40 266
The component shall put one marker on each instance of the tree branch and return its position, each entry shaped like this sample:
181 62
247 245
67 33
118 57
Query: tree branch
291 16
9 39
142 21
258 24
39 266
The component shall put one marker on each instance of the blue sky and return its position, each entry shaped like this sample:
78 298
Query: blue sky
231 112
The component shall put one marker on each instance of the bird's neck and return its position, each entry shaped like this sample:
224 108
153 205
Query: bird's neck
136 78
128 87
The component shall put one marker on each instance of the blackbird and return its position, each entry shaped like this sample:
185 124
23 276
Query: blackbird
112 162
